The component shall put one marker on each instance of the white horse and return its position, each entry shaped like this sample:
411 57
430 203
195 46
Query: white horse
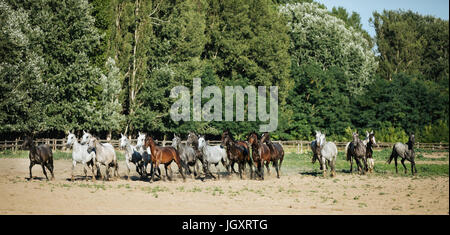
212 155
132 155
327 152
80 155
105 156
87 137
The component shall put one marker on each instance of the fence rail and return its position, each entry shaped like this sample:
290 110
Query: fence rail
299 146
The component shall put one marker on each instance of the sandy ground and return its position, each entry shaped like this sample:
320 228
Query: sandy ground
293 193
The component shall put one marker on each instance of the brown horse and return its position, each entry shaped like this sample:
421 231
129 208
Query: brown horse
261 154
41 154
237 153
276 150
163 155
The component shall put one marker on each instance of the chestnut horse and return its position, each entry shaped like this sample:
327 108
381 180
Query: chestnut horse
237 153
164 155
276 150
261 153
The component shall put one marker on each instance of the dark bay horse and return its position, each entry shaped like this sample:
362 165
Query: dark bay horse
41 154
237 153
405 152
164 155
261 154
276 150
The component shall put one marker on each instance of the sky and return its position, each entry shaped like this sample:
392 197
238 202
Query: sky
437 8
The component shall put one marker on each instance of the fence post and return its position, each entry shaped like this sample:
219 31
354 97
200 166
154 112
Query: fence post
301 147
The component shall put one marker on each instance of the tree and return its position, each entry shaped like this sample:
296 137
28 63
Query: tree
413 44
23 87
320 38
107 111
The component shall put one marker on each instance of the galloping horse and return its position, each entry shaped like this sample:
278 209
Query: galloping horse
80 155
356 153
132 155
105 156
327 152
187 155
163 155
276 150
237 153
405 152
261 153
41 154
212 155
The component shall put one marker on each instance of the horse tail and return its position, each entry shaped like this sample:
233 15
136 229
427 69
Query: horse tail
392 155
346 151
182 163
281 155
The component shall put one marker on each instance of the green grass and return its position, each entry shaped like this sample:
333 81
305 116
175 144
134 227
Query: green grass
301 164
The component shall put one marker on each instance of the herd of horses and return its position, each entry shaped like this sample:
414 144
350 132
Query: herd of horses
197 156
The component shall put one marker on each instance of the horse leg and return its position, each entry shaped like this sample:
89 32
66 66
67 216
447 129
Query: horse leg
403 163
74 163
275 164
217 170
240 169
43 169
395 161
116 169
261 169
413 165
351 164
333 167
250 164
267 167
167 173
324 167
128 169
93 172
49 166
31 166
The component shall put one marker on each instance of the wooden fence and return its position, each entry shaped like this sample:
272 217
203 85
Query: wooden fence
298 146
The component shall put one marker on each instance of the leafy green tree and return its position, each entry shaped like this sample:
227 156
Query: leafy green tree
413 44
23 87
320 38
318 101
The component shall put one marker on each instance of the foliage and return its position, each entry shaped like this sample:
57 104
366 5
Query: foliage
318 37
411 43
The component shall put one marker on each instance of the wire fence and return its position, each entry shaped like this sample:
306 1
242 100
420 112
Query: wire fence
298 146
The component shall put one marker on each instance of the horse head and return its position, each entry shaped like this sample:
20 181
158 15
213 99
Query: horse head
86 137
372 140
201 142
92 144
71 138
140 140
123 141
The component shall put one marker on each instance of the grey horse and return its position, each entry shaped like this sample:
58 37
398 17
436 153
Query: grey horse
187 155
105 156
350 150
406 152
326 152
357 150
132 155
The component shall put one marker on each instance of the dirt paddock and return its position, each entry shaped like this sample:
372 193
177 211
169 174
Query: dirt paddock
293 193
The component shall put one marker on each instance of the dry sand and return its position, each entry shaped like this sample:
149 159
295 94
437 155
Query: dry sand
291 194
